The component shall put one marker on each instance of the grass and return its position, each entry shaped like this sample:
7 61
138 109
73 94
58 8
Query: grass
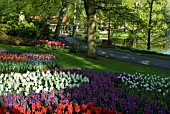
80 61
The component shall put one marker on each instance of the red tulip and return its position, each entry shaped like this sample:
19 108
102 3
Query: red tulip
98 110
105 110
111 112
84 107
89 105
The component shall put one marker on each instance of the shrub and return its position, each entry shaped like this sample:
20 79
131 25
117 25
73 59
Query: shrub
25 29
3 29
15 40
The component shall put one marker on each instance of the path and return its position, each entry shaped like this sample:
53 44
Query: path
132 57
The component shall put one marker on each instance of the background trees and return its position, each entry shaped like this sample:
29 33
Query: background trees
145 21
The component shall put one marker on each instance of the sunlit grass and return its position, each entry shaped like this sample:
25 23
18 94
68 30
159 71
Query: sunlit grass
68 60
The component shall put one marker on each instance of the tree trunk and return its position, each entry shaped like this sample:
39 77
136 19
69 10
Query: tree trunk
91 28
58 27
75 20
60 18
109 41
150 22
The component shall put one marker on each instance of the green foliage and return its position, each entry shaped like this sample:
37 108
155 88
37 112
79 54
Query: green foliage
25 29
4 29
42 28
75 48
15 40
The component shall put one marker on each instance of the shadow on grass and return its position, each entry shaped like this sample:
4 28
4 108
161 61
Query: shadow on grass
102 63
78 61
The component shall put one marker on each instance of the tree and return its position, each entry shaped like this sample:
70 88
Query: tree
60 17
156 24
91 27
150 22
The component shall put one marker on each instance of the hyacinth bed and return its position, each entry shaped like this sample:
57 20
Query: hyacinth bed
83 91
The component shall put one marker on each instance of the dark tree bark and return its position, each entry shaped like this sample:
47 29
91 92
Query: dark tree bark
150 22
109 27
91 28
60 18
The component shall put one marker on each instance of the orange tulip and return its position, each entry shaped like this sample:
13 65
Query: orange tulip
21 109
37 112
66 112
33 107
51 108
28 111
77 108
60 106
15 106
70 109
38 105
59 112
44 109
88 112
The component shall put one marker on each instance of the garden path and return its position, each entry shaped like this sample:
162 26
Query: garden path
132 57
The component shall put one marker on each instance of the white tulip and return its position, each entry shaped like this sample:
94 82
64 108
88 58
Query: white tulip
147 89
34 88
51 88
37 90
40 82
167 91
1 87
159 90
6 89
26 93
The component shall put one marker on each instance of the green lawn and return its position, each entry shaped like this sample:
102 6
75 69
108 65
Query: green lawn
80 61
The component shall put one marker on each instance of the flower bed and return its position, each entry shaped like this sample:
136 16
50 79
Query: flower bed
67 108
19 61
37 81
52 45
106 90
46 91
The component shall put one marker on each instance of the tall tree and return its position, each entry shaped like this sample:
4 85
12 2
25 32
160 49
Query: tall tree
150 22
91 27
60 17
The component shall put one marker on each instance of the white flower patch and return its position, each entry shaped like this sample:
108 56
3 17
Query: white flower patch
148 82
38 81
